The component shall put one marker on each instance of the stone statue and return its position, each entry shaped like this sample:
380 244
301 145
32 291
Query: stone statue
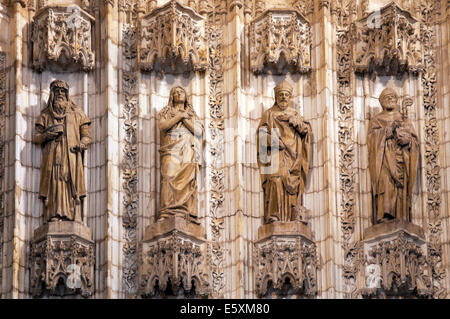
284 148
181 139
63 131
393 159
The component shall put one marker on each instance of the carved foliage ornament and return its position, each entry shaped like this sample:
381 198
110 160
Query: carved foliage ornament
282 261
62 35
3 151
388 41
170 33
278 34
403 268
175 260
68 261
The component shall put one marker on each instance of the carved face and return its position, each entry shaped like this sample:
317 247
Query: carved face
179 95
59 94
283 98
389 102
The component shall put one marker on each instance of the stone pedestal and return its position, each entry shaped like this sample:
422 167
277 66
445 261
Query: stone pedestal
173 260
396 263
285 261
62 260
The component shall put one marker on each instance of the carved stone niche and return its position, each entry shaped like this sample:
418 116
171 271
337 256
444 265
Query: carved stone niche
173 260
396 261
61 39
172 39
280 39
387 42
62 260
285 261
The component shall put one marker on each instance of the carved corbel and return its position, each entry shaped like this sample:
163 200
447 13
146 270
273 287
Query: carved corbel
387 41
62 35
279 34
170 34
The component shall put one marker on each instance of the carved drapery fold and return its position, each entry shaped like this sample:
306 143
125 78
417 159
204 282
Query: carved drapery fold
62 35
388 42
170 33
277 34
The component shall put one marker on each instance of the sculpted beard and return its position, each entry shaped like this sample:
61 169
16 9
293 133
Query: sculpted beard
59 104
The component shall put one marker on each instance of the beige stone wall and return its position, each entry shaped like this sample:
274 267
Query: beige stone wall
105 94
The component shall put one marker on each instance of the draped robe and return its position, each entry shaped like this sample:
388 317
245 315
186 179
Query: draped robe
180 164
62 182
393 168
284 170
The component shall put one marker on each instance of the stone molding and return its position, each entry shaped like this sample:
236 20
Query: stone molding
62 260
277 34
62 35
387 42
170 33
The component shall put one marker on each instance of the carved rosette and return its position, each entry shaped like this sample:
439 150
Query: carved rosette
397 266
388 42
62 35
174 262
277 34
169 34
286 264
62 262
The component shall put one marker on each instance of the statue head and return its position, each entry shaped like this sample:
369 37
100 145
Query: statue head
388 99
177 95
283 94
59 92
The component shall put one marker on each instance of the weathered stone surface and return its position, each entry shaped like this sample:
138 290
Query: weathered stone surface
62 259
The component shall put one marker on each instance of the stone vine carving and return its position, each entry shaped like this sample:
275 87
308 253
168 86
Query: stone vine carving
288 264
278 34
62 35
63 260
429 14
401 268
215 144
3 152
388 42
174 261
304 7
342 12
172 32
130 158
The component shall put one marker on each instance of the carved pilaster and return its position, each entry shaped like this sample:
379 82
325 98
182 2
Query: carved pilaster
280 36
387 41
129 167
170 34
396 261
285 260
174 260
62 35
62 260
3 152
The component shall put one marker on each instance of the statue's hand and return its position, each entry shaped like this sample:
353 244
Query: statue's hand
389 132
403 136
50 135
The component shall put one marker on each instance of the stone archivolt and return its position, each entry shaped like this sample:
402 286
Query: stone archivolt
172 32
62 34
387 41
278 33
